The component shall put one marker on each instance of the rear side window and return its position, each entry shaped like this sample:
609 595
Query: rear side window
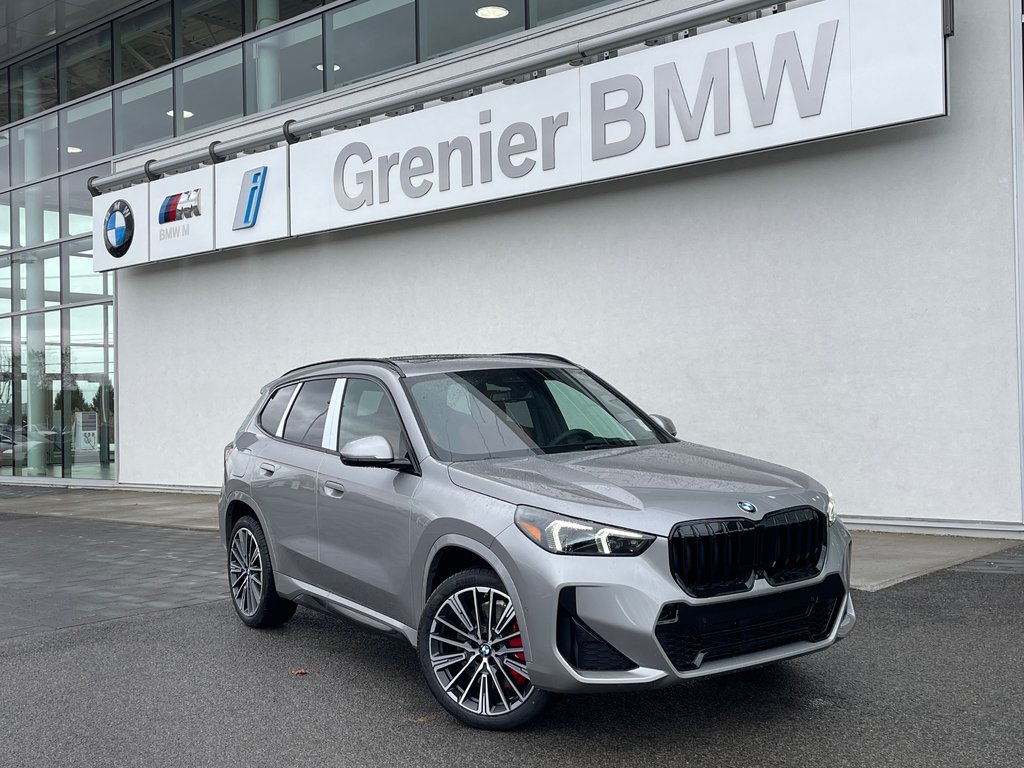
270 418
308 416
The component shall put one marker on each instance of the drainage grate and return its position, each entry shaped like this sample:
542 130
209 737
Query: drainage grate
1009 561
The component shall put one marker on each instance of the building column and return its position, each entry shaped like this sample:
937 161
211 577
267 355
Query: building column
38 405
268 70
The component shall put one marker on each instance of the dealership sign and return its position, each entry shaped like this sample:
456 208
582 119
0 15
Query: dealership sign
827 69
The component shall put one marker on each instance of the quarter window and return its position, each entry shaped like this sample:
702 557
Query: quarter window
308 416
270 418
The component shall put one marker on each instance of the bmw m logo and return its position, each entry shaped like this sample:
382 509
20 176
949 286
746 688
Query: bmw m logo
747 507
118 228
183 205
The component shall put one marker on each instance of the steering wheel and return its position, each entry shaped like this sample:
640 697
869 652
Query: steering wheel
564 437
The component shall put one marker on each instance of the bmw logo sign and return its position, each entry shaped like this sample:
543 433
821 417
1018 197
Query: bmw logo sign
118 228
746 506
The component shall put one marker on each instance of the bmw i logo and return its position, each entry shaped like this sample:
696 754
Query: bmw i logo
746 506
118 228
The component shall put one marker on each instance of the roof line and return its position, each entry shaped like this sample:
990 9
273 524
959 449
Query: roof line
542 355
376 360
395 363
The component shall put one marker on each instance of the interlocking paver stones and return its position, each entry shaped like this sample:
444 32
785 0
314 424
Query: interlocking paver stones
58 572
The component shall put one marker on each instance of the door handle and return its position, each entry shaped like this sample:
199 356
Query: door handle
333 489
267 469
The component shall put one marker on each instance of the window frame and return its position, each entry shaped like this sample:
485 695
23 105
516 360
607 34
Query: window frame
291 403
287 408
398 412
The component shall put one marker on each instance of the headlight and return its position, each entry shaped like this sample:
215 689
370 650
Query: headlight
830 510
569 536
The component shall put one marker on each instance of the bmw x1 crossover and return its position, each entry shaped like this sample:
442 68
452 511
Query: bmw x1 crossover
526 527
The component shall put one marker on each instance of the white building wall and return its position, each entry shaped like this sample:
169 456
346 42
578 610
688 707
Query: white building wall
846 308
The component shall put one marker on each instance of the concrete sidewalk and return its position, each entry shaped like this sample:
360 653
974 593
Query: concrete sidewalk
186 511
880 560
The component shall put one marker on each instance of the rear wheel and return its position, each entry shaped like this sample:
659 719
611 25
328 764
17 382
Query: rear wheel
471 652
252 579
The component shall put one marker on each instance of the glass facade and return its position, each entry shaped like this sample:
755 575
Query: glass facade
448 25
369 37
144 112
56 315
208 91
86 64
34 85
144 41
86 132
56 364
57 399
348 42
206 23
284 66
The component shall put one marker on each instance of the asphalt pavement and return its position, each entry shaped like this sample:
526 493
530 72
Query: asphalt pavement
932 676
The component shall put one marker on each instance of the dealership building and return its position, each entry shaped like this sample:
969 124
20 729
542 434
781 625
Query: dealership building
794 228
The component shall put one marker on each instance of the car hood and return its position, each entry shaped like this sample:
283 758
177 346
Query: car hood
647 488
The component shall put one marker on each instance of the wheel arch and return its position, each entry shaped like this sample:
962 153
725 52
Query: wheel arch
238 505
452 545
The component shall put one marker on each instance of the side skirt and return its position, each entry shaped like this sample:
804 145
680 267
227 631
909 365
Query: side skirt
327 602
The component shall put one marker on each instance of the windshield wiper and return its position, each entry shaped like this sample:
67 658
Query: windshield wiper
607 442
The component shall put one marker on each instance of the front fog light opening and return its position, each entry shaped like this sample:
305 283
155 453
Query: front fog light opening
581 646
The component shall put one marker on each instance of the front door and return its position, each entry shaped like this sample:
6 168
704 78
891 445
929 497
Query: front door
363 513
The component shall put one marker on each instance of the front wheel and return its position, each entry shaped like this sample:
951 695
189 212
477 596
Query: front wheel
252 579
471 652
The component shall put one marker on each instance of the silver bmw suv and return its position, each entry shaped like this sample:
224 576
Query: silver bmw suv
527 528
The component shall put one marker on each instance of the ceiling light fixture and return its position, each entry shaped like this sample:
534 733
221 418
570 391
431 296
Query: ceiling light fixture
184 113
492 12
320 67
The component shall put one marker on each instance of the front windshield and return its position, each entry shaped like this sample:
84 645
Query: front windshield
522 411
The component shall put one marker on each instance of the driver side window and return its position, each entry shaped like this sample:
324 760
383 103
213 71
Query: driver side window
366 410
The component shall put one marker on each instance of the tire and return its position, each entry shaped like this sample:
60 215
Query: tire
486 679
251 578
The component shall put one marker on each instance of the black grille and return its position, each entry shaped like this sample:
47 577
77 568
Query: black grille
720 557
692 635
792 543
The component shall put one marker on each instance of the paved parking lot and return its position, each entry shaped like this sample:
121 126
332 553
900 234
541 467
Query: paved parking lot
932 677
57 573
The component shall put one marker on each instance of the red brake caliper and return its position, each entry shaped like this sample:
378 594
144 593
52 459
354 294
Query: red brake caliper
517 642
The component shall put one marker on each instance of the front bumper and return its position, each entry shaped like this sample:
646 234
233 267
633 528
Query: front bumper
621 599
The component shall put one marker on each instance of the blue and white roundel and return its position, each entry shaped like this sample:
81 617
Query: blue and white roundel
118 228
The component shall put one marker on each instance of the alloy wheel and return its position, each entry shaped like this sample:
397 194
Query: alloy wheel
476 652
245 569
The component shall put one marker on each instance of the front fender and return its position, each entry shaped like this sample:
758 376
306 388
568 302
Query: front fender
489 556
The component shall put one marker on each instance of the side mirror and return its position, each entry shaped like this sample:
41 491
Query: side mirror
372 451
665 423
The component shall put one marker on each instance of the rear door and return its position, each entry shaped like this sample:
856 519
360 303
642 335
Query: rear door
284 475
